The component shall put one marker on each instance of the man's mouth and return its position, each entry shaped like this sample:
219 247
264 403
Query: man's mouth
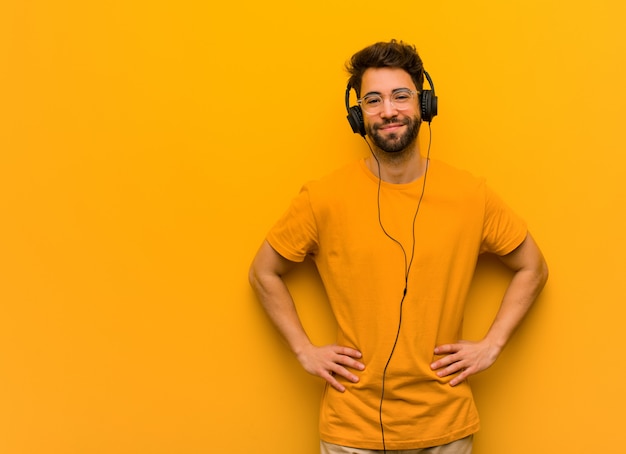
390 127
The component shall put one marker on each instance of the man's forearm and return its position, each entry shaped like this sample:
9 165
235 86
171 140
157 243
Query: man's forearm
275 298
519 297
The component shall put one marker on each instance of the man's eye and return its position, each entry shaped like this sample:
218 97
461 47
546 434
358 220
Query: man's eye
372 101
401 97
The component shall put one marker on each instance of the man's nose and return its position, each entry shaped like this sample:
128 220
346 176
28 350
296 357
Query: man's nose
388 110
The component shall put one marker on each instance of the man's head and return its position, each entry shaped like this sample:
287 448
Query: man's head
388 78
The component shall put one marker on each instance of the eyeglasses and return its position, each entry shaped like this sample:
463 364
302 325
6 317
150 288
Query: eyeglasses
401 99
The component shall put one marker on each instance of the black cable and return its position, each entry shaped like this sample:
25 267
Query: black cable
407 270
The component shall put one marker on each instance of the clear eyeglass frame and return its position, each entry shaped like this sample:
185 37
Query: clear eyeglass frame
400 99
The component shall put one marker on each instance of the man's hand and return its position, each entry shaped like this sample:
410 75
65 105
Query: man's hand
331 360
465 357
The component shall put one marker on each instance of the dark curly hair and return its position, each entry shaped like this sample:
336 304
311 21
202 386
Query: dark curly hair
394 54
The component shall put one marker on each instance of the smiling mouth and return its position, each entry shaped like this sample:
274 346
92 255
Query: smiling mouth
393 124
390 127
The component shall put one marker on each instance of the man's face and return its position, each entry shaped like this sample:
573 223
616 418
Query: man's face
392 130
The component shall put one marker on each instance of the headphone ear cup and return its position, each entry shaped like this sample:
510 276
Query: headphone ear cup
355 118
428 103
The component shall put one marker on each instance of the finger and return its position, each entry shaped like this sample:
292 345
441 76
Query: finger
347 351
330 378
460 378
349 362
346 357
447 349
451 369
445 361
345 373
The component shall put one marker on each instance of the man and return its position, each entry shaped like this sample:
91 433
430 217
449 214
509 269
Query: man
395 238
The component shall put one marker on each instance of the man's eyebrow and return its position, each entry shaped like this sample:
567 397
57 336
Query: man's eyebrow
395 90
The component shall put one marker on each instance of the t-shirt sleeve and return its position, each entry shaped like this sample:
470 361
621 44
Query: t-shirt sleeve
295 234
503 229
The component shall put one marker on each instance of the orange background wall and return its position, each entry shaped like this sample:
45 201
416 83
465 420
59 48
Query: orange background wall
146 148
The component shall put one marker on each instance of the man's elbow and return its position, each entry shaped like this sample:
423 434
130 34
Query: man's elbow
543 273
253 276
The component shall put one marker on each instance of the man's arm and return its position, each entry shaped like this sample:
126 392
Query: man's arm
468 358
266 278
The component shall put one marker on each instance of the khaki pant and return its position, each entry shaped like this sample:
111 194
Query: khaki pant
462 446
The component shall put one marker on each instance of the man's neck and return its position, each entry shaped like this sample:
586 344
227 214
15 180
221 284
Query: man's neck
398 169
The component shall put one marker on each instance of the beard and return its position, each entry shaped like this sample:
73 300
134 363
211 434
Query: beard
394 144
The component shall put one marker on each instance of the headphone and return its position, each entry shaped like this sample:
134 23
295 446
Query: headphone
428 105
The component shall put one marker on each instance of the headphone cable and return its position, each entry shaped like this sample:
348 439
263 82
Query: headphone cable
407 268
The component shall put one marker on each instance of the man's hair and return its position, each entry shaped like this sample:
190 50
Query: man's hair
394 54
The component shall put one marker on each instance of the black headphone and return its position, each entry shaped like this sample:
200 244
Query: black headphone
428 104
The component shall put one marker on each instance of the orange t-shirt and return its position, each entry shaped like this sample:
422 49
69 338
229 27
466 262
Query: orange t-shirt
336 222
